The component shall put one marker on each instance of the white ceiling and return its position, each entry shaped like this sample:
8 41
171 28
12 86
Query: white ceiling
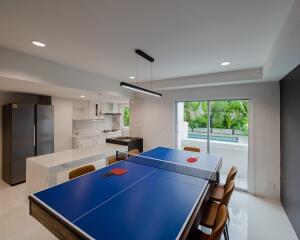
186 38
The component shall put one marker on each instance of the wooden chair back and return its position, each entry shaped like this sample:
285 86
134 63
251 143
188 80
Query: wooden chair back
112 160
122 156
81 171
133 152
191 149
231 175
227 194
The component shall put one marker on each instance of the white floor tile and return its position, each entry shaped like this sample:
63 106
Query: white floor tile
258 218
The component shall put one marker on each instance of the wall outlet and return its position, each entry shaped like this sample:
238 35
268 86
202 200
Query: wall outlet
270 186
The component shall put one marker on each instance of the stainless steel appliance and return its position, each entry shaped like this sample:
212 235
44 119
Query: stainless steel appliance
28 130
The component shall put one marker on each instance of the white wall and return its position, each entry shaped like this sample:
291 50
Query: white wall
154 120
62 123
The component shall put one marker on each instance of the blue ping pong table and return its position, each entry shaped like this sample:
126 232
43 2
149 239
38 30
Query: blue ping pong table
148 202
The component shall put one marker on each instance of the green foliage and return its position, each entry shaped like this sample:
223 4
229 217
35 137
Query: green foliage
126 116
229 114
195 113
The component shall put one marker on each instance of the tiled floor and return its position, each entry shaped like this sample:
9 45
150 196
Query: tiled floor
15 222
252 218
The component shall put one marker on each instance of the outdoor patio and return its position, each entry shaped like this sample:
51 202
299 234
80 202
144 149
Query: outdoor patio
234 154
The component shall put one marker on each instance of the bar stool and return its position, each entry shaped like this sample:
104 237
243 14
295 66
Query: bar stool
81 171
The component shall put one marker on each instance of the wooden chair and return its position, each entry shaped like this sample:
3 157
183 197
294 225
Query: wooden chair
220 223
81 171
218 229
218 190
112 160
212 208
131 153
191 149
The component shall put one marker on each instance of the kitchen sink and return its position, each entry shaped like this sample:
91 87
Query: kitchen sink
124 138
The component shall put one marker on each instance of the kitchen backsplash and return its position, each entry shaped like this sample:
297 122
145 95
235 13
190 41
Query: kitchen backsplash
96 126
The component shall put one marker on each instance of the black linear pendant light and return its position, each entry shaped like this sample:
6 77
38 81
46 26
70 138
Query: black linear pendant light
137 88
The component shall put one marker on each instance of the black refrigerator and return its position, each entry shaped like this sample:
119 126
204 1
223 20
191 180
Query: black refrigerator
28 130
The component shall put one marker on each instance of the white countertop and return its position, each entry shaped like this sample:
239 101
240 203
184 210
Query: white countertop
97 134
71 155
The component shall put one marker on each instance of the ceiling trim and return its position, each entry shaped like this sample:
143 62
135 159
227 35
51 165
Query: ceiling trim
28 68
21 86
214 79
285 53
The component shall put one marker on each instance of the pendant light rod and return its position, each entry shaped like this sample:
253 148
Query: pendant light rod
140 89
137 88
144 55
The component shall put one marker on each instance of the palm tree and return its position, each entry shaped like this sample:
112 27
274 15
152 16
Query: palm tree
228 114
191 112
195 113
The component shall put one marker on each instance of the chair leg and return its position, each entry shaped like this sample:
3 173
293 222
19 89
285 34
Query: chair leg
225 235
227 232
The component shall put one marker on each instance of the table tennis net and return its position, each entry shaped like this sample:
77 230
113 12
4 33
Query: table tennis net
182 168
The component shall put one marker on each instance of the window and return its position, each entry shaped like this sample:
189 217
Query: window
218 127
126 116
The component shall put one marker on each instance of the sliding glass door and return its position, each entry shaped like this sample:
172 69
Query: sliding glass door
217 127
192 123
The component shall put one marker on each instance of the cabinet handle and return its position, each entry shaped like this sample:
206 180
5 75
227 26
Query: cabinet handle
34 135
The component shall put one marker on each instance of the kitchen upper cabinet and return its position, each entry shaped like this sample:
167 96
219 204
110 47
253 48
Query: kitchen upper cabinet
111 108
104 107
108 107
84 109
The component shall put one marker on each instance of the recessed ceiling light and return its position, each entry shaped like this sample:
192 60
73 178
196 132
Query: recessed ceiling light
38 44
132 77
82 96
225 63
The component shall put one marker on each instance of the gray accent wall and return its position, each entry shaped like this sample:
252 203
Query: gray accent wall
290 146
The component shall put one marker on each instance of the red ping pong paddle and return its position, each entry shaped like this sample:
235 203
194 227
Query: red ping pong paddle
116 171
192 159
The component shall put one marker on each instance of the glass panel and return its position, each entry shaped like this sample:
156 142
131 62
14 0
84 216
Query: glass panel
192 120
229 137
126 116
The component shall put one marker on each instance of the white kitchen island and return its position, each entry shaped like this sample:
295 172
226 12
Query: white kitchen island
42 171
